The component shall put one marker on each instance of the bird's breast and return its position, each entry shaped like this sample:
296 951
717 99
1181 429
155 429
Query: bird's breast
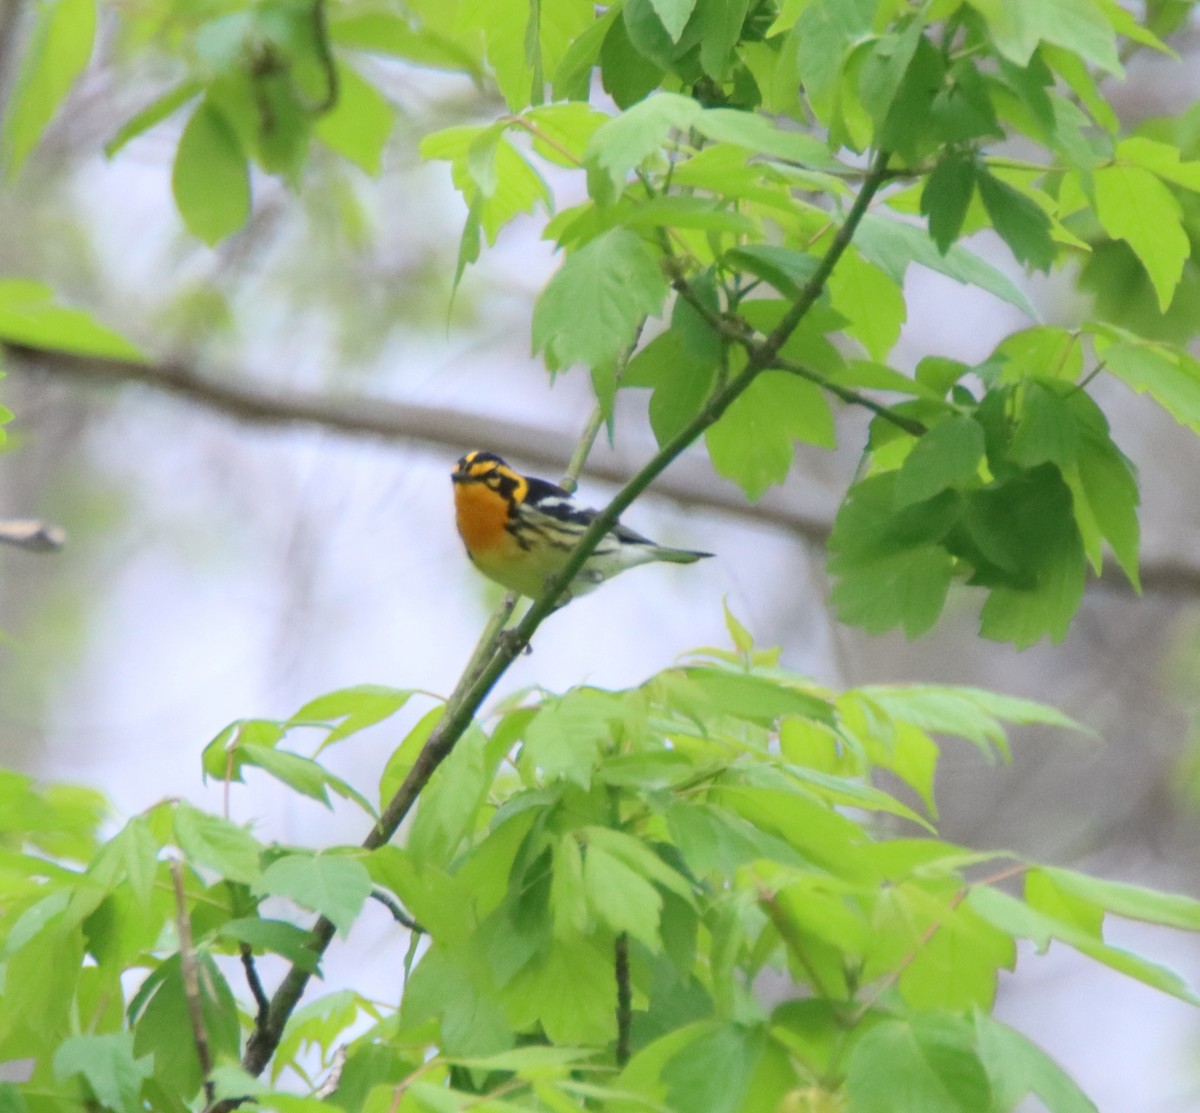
481 515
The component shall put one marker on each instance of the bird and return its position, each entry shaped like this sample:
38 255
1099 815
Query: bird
520 530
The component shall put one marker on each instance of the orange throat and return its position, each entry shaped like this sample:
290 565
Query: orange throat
482 515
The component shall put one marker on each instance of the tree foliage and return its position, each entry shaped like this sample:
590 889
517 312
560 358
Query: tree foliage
593 881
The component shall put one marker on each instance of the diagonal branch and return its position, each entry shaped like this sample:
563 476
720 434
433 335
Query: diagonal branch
505 646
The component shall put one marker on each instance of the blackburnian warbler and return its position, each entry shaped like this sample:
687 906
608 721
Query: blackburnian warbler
519 530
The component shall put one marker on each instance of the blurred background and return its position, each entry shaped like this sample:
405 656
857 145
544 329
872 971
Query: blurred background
227 559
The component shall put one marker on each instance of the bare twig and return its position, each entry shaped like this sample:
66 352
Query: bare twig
261 1001
398 913
624 998
31 535
191 982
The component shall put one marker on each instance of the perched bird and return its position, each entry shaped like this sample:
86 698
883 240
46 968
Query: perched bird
519 531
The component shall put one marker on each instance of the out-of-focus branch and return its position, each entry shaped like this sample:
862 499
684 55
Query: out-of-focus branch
689 482
238 397
28 533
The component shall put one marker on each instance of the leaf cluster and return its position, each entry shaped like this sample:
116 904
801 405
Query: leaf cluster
721 821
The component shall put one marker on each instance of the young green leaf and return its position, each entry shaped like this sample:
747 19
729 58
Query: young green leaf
928 1064
106 1064
1133 205
590 311
754 441
30 315
948 456
211 177
1020 221
332 884
56 54
209 840
359 123
947 196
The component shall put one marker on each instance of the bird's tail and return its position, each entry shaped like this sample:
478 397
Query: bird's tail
678 556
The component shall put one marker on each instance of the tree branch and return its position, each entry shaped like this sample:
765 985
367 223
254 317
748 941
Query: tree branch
507 644
624 997
261 1001
689 482
32 535
191 982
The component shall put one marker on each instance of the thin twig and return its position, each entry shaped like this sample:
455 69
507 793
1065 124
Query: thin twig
851 396
31 535
893 976
191 982
624 997
398 913
261 1001
794 943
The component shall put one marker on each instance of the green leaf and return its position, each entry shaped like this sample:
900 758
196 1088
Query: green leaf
583 1017
56 54
358 707
1047 431
1108 486
1133 205
1159 158
1018 1068
892 246
154 113
1042 352
628 140
673 15
211 177
889 565
970 713
947 196
30 316
681 385
565 738
359 123
1044 544
785 268
627 75
712 1072
209 840
639 857
925 1065
1172 379
591 310
301 773
949 455
1133 902
395 34
621 897
161 1020
1017 26
1019 919
332 884
872 303
825 33
1020 221
277 936
451 801
753 442
756 699
955 968
108 1067
760 134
